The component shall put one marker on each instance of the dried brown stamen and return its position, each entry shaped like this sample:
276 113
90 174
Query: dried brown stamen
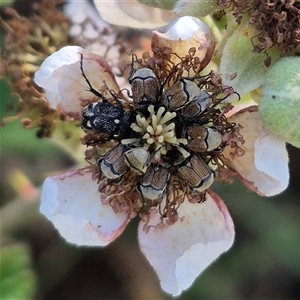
277 22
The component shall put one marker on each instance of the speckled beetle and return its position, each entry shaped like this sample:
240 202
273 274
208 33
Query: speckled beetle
154 182
196 173
125 131
113 164
87 116
202 139
102 117
180 94
105 117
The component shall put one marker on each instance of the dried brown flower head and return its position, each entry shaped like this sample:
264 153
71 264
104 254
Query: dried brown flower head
28 41
277 22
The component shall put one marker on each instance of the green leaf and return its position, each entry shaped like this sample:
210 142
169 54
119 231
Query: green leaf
17 281
5 2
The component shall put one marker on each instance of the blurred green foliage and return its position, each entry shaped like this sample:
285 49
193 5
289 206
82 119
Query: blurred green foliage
5 2
17 280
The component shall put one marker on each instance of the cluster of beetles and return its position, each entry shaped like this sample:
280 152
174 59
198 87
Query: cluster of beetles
185 151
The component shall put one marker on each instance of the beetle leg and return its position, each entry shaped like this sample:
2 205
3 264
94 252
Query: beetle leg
138 187
203 197
92 90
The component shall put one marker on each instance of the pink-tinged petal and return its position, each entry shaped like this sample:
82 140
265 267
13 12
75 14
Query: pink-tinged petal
264 166
45 78
71 201
182 34
240 105
271 158
180 252
64 85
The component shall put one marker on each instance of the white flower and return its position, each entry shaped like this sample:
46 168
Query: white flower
73 203
83 213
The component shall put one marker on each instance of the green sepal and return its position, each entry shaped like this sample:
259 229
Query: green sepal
279 105
240 67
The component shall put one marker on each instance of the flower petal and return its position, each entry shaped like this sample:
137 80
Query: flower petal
61 77
264 166
180 252
44 76
71 201
271 158
182 34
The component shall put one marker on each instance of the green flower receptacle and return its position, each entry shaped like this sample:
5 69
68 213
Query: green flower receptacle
279 105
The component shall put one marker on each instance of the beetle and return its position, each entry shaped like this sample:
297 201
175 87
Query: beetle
138 159
202 139
194 108
180 94
196 173
145 89
113 164
153 183
104 117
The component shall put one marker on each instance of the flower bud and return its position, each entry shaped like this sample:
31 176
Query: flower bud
279 105
185 33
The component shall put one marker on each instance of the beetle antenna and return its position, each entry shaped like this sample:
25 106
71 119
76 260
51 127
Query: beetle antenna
133 60
92 90
127 92
167 79
207 110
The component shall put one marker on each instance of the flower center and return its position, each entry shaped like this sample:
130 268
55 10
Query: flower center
157 131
